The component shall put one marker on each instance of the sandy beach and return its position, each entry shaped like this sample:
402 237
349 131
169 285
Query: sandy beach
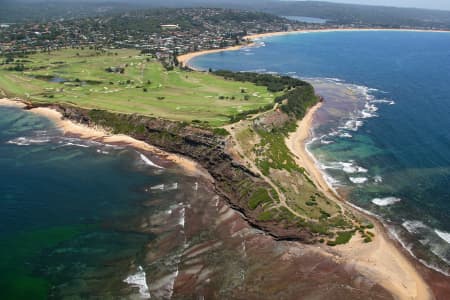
185 58
98 134
269 34
11 103
379 260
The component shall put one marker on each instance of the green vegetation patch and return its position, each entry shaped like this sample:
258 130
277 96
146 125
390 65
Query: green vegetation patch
273 153
260 196
343 237
129 82
265 216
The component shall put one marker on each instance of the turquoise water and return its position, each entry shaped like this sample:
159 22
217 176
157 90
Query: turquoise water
383 135
68 211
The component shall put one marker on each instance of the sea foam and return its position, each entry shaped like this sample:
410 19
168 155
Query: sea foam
147 161
443 235
348 167
413 226
24 141
358 180
385 201
378 179
139 280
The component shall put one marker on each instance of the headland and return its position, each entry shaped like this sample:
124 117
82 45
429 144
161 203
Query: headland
253 185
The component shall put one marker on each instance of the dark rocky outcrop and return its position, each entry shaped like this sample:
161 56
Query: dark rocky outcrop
233 181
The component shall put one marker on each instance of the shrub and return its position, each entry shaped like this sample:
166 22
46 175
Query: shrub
221 131
344 237
331 243
259 196
265 216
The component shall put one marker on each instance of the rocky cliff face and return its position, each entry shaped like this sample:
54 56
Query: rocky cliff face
233 181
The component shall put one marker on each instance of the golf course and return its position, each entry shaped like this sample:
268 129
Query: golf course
126 81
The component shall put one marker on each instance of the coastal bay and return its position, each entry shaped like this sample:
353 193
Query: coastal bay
334 112
412 287
243 152
239 248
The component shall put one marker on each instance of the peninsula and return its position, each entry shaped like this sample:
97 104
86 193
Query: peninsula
233 125
244 132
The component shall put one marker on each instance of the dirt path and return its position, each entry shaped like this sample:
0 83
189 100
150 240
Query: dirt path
233 129
380 259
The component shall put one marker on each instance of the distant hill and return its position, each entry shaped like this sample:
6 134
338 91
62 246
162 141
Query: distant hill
39 10
359 14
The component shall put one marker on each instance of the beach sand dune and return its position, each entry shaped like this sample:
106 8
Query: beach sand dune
379 260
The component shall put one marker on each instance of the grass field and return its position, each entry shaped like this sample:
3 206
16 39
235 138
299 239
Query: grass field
79 77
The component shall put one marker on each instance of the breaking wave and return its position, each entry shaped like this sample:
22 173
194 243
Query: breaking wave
348 167
385 201
358 180
148 162
139 280
413 226
435 240
443 235
24 141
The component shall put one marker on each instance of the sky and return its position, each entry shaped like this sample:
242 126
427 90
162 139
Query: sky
431 4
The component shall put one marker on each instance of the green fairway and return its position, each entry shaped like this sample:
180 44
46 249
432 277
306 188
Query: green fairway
79 77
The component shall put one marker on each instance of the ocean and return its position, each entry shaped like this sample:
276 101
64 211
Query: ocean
85 220
382 137
70 212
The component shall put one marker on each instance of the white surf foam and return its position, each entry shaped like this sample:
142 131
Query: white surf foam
348 167
326 142
345 135
378 179
24 141
182 217
352 124
413 226
443 235
351 168
147 161
102 151
139 280
369 110
75 145
408 248
173 186
385 201
157 187
358 180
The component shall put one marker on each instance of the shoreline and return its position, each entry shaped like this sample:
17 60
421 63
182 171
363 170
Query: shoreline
352 254
98 134
12 103
383 259
184 59
279 33
387 251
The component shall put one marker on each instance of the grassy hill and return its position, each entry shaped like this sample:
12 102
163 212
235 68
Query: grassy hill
125 81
